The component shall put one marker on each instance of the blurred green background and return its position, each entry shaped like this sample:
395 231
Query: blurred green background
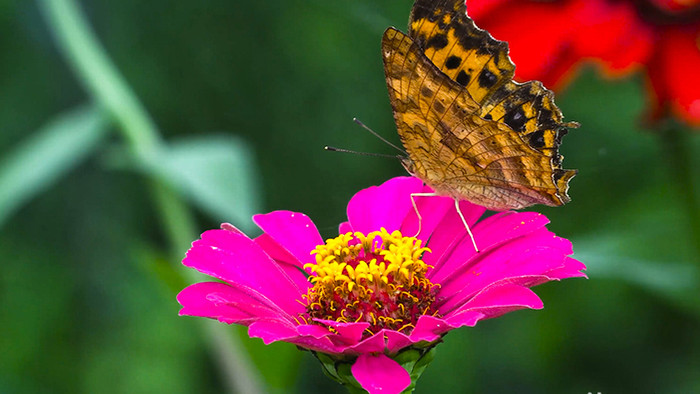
216 110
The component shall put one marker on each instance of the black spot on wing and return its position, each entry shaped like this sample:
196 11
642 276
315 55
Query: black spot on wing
472 38
544 116
453 62
560 134
487 79
536 139
438 42
421 10
420 41
556 161
516 119
462 78
557 174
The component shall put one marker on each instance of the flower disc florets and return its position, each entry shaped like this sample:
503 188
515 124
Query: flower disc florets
378 278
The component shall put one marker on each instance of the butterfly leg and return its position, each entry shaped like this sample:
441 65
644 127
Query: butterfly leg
466 225
415 208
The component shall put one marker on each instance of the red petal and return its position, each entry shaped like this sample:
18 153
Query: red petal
478 8
676 5
674 74
611 32
538 34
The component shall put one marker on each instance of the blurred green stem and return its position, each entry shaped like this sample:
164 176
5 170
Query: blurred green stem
80 47
676 144
78 44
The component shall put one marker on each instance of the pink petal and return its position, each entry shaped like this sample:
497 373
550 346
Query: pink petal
396 341
230 227
432 209
533 256
457 303
229 304
465 318
451 233
502 298
378 374
500 228
488 234
349 333
345 228
313 330
307 336
572 269
373 344
429 328
383 206
271 330
235 258
288 263
293 231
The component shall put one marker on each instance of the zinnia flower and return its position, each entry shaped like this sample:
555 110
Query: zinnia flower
372 302
549 40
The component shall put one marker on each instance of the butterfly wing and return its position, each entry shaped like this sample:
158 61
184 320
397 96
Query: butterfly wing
462 51
451 147
481 72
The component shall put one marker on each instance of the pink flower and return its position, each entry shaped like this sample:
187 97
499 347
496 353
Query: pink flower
375 292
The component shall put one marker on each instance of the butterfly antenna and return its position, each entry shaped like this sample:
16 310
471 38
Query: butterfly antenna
334 149
378 136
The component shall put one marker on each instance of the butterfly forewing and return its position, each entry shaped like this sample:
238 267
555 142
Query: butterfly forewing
462 51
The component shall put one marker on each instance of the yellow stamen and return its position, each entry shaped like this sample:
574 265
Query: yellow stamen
377 278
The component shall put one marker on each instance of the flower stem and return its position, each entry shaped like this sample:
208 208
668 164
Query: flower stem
676 146
79 46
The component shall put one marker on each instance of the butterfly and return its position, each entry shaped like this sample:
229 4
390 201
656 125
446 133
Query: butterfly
470 132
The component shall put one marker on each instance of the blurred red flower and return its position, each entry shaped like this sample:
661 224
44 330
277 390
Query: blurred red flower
549 40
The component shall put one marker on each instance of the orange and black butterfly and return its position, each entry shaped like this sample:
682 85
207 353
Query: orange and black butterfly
469 130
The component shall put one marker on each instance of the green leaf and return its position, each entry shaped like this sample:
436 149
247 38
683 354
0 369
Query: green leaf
215 172
673 280
47 155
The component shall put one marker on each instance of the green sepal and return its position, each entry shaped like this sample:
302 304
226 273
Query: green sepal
407 358
422 363
340 371
328 365
413 359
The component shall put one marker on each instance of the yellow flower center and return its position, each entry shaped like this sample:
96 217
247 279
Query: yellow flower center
378 278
